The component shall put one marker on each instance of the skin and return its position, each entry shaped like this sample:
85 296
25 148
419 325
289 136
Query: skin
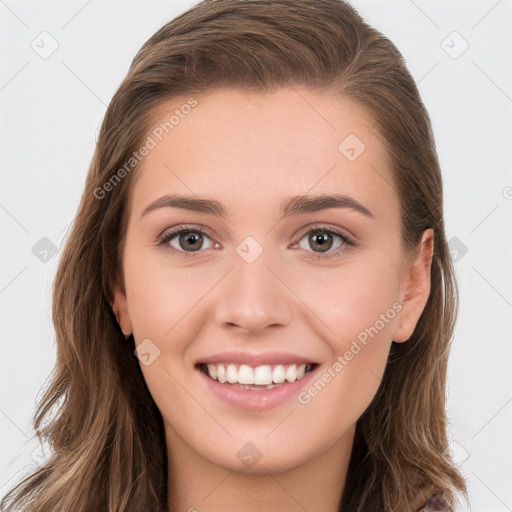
250 152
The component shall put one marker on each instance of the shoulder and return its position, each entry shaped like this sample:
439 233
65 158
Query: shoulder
436 503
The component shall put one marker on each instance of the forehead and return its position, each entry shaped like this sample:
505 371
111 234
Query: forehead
250 150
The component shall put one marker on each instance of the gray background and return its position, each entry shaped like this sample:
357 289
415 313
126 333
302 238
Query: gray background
52 107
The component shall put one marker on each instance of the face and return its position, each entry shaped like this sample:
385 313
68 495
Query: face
266 282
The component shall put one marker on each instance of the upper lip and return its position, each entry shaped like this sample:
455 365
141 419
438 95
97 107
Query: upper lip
256 359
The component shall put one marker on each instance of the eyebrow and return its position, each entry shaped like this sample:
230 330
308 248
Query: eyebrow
294 205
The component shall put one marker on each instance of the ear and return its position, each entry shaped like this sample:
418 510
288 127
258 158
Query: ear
120 308
415 287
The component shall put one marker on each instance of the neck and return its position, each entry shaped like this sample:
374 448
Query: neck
195 484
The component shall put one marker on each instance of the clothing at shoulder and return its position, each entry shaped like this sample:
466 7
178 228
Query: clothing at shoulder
436 503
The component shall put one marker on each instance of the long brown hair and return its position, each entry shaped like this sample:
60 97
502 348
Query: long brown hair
97 414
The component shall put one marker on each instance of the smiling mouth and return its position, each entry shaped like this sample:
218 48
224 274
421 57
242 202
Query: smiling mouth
256 377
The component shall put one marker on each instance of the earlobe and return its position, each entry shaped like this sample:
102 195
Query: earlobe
415 288
120 309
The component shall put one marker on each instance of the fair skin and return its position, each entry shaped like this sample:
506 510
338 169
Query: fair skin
252 152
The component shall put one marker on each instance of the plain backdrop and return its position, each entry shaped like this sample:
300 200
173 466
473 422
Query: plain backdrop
61 62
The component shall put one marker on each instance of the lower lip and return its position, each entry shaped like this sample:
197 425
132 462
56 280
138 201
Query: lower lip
255 399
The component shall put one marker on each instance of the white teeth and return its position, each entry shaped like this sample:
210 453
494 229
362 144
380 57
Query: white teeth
221 373
291 373
278 374
264 375
212 370
232 374
245 374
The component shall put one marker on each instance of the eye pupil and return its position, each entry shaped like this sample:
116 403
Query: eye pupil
322 241
192 238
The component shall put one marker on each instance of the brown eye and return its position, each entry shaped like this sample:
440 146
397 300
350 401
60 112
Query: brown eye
186 240
320 240
190 241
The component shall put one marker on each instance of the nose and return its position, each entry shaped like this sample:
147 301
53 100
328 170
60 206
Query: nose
253 296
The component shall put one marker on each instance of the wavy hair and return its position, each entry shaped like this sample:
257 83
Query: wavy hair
106 434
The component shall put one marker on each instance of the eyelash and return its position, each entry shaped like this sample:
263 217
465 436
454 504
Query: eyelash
346 241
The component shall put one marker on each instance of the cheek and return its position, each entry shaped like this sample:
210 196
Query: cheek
351 299
356 310
340 394
166 306
162 299
360 311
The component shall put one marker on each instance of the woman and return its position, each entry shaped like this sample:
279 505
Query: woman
262 227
